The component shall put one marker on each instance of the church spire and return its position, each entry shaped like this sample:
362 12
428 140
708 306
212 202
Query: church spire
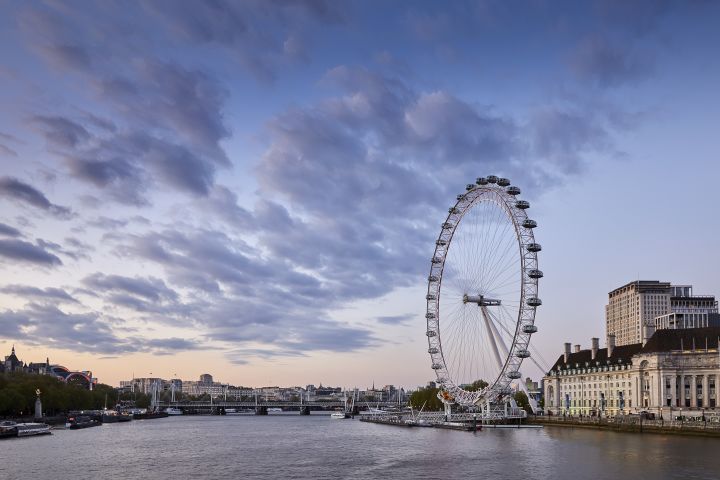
13 350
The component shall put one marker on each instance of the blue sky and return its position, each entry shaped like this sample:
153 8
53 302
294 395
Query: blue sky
253 188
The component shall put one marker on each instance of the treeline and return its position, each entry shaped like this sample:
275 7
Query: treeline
17 395
427 396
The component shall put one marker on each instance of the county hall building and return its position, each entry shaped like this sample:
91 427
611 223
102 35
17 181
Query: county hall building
668 364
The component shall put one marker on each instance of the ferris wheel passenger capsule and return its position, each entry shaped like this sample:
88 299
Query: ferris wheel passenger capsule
431 333
469 186
529 223
447 226
430 296
513 190
492 179
534 247
433 350
535 274
436 260
429 315
522 353
436 366
503 182
534 302
529 329
513 375
522 204
460 196
453 210
481 181
432 278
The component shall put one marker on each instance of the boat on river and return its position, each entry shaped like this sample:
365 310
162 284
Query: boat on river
78 422
32 429
150 415
110 416
10 429
339 416
173 411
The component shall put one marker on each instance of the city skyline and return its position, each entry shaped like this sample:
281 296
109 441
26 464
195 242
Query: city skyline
255 191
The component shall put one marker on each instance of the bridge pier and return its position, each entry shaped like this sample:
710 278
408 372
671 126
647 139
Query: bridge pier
304 410
261 410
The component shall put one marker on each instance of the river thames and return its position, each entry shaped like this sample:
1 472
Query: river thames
291 446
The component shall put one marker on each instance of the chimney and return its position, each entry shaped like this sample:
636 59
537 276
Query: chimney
567 352
595 346
577 348
610 344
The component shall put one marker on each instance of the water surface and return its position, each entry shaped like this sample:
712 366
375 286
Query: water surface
291 446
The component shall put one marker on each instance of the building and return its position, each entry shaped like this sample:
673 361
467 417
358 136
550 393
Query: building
141 384
633 306
82 379
689 311
676 369
636 310
12 363
205 386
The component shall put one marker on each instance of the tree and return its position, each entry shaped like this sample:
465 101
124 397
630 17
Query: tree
476 385
522 400
426 396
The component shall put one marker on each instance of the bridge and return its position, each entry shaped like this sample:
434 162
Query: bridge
261 407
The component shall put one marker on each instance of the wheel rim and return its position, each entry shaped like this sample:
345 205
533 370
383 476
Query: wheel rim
485 253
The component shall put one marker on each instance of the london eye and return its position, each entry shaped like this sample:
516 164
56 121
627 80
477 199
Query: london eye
482 294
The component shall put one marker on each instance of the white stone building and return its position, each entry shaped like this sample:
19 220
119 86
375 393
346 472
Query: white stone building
675 371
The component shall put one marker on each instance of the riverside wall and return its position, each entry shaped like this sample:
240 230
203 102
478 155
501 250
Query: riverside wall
634 424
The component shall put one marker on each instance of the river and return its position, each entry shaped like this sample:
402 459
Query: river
290 446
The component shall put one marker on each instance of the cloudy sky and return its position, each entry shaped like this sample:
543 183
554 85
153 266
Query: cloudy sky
252 189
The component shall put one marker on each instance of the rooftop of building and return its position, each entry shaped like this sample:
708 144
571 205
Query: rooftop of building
661 341
620 355
683 339
642 285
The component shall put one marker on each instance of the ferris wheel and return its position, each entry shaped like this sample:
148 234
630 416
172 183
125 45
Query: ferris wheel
482 294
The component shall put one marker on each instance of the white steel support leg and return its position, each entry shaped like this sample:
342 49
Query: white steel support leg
523 387
489 327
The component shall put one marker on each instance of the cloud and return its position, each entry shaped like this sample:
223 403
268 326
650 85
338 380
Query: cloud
18 191
21 251
49 326
43 294
609 64
61 132
151 289
261 36
7 151
396 319
8 231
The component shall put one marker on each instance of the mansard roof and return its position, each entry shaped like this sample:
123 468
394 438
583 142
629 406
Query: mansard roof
683 339
620 355
662 341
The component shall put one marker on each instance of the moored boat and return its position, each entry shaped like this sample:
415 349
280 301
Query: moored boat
110 416
149 415
82 421
31 429
173 411
339 415
8 429
125 417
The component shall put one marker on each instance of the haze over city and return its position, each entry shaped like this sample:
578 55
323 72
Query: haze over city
254 189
